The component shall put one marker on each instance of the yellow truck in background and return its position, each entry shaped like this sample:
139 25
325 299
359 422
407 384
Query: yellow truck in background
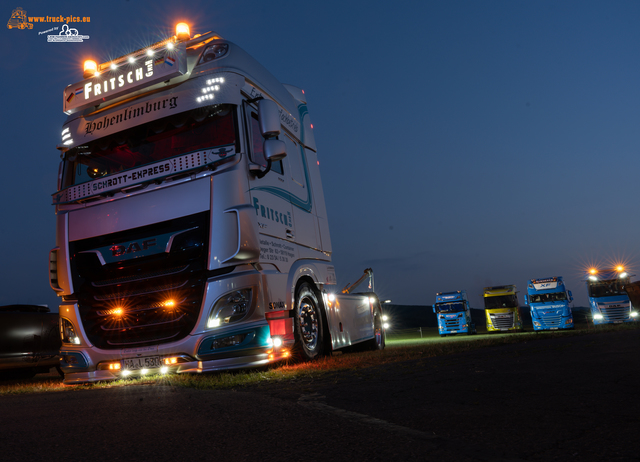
502 309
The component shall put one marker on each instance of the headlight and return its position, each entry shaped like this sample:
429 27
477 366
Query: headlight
536 323
598 316
230 308
634 314
68 332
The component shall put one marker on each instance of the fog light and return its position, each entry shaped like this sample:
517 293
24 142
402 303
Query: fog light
164 369
277 342
634 314
144 371
569 321
126 373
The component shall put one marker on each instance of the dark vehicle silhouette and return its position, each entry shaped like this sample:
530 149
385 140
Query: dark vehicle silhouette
29 340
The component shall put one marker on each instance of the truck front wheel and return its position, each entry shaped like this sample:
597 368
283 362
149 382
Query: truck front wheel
309 323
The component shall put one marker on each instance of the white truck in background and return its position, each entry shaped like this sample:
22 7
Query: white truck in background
192 232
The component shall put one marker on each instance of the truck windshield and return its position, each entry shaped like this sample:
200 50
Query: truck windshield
202 128
453 307
501 301
554 297
607 288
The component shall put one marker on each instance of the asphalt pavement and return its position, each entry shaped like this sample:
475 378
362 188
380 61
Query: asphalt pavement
570 398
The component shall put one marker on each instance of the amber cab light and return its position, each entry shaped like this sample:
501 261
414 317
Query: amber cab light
90 68
182 31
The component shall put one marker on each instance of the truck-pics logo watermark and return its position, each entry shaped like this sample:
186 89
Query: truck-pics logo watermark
20 20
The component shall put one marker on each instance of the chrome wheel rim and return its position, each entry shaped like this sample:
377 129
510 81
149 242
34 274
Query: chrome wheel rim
308 319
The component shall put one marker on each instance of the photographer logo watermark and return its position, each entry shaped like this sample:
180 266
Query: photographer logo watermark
67 34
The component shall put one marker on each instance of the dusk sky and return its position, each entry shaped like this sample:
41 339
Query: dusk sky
462 144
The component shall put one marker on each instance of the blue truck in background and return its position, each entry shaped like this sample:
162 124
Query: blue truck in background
549 301
453 313
608 298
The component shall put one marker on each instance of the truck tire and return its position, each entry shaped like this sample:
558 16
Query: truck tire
378 342
309 323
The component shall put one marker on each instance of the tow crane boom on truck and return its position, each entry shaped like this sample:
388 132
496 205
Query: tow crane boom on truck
192 232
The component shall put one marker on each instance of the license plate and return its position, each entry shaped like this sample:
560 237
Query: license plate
146 362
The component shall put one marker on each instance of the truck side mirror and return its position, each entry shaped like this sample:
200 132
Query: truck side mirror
570 295
526 299
268 118
274 150
434 308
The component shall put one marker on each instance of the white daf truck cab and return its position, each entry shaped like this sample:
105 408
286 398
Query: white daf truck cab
192 233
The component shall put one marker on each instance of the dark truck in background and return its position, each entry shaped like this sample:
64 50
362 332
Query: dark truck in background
29 340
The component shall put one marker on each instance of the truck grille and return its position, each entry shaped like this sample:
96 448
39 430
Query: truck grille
502 321
550 320
452 323
619 313
151 299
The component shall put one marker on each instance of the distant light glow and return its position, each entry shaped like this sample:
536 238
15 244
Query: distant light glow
332 297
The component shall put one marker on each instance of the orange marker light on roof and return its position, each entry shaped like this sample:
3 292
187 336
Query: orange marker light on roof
182 31
90 68
619 268
593 271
